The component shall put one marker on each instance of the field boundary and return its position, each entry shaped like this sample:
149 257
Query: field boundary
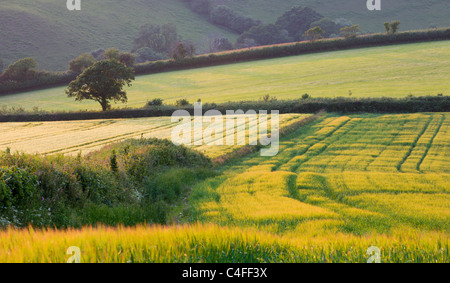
249 54
296 106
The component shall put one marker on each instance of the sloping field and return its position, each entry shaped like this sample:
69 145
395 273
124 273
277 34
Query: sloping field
337 187
389 71
47 31
358 174
73 137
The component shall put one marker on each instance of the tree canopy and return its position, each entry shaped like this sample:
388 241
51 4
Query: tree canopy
102 82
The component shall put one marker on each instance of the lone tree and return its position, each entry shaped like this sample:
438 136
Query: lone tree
102 82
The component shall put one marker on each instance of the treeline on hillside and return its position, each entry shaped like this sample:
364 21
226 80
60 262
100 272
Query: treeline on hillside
45 79
131 182
306 104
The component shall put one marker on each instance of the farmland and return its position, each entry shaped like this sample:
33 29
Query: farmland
73 137
337 187
343 174
28 27
388 71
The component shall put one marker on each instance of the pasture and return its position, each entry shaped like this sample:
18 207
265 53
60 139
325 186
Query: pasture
388 71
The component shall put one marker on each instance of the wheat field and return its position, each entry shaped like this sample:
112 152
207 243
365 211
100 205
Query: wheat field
73 137
338 186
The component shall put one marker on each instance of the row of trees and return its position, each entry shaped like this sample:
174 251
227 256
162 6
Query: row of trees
222 15
294 25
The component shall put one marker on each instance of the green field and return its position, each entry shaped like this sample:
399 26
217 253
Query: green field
47 31
356 174
389 71
337 187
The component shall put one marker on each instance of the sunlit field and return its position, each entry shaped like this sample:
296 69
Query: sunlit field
338 186
388 71
73 137
214 244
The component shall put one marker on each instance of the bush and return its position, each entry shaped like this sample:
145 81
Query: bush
182 102
17 187
155 102
75 191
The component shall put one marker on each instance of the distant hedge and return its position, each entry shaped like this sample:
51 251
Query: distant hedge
256 53
310 105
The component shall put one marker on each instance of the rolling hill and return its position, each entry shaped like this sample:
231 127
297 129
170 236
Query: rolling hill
388 71
47 31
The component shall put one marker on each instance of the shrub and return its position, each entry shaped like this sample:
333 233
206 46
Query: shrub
155 102
182 102
17 187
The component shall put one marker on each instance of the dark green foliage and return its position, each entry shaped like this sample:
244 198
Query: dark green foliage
341 104
263 35
125 58
297 21
148 176
328 26
113 163
391 27
395 26
182 51
102 82
158 38
17 187
81 63
387 27
55 79
182 102
155 102
22 70
146 54
224 16
314 33
350 32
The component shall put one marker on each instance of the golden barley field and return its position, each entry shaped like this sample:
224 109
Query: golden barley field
337 187
73 137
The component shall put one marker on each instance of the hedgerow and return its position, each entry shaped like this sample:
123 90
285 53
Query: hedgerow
257 53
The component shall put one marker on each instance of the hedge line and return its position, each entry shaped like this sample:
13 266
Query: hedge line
311 105
257 53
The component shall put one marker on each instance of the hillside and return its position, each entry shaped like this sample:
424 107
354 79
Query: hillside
363 71
47 31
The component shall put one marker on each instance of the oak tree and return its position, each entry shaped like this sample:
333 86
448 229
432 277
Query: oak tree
102 82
